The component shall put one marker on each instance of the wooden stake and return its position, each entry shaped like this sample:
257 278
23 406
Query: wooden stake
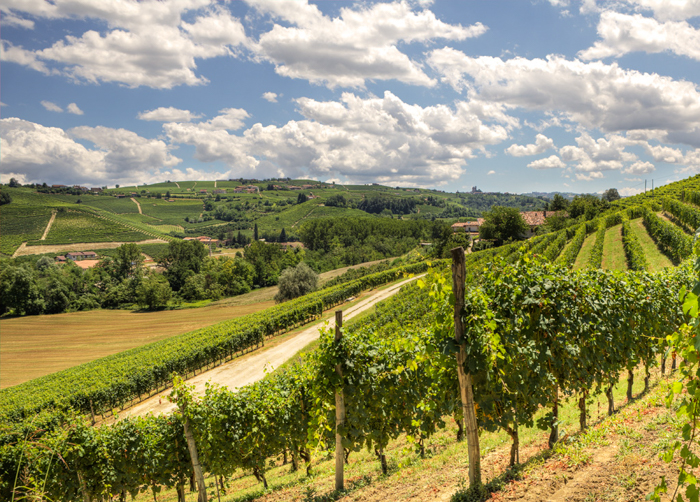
192 447
339 412
459 277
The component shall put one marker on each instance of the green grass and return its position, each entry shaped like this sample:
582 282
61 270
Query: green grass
585 253
656 259
613 251
77 226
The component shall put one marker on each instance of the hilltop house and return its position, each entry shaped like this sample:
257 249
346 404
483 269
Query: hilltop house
468 226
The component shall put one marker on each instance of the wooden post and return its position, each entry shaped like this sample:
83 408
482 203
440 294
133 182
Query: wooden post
192 447
339 413
459 277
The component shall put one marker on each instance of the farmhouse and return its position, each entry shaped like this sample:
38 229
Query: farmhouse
80 255
219 190
469 226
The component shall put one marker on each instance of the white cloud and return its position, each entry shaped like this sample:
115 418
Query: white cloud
551 162
669 10
16 54
627 192
594 94
147 43
375 139
9 19
50 153
360 44
596 175
46 152
622 34
541 145
270 96
490 173
594 156
168 114
125 152
73 108
640 167
228 119
52 107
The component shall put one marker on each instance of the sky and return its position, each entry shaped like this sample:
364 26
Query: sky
506 95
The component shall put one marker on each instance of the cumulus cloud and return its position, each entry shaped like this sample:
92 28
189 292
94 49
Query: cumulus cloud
360 44
168 114
541 145
228 119
147 43
627 192
595 95
52 107
669 10
621 34
490 173
551 162
640 167
589 176
73 108
50 153
270 96
378 139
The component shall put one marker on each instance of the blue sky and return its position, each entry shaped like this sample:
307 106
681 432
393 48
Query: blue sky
518 96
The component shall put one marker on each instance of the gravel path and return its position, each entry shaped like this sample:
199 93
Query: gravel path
255 365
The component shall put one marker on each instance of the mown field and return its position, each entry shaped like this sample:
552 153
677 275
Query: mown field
35 346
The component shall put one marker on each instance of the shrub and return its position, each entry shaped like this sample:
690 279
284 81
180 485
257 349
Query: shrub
296 281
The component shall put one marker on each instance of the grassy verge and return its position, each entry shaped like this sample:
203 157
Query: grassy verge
613 251
656 259
585 253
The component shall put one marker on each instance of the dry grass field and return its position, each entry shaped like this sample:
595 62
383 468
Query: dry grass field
34 346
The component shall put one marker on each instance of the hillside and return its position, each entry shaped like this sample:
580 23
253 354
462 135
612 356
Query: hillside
218 209
530 364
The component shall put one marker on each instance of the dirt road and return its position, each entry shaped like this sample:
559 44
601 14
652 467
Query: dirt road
254 366
48 227
137 204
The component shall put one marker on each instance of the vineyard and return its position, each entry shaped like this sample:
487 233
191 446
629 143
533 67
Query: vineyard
540 322
71 225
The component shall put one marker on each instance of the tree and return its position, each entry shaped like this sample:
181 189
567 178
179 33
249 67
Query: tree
502 224
587 205
301 198
14 183
182 259
611 194
283 236
255 232
129 259
296 281
153 292
19 291
558 203
116 186
5 198
167 194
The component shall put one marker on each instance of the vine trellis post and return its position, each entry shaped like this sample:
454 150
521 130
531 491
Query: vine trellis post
339 411
459 277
